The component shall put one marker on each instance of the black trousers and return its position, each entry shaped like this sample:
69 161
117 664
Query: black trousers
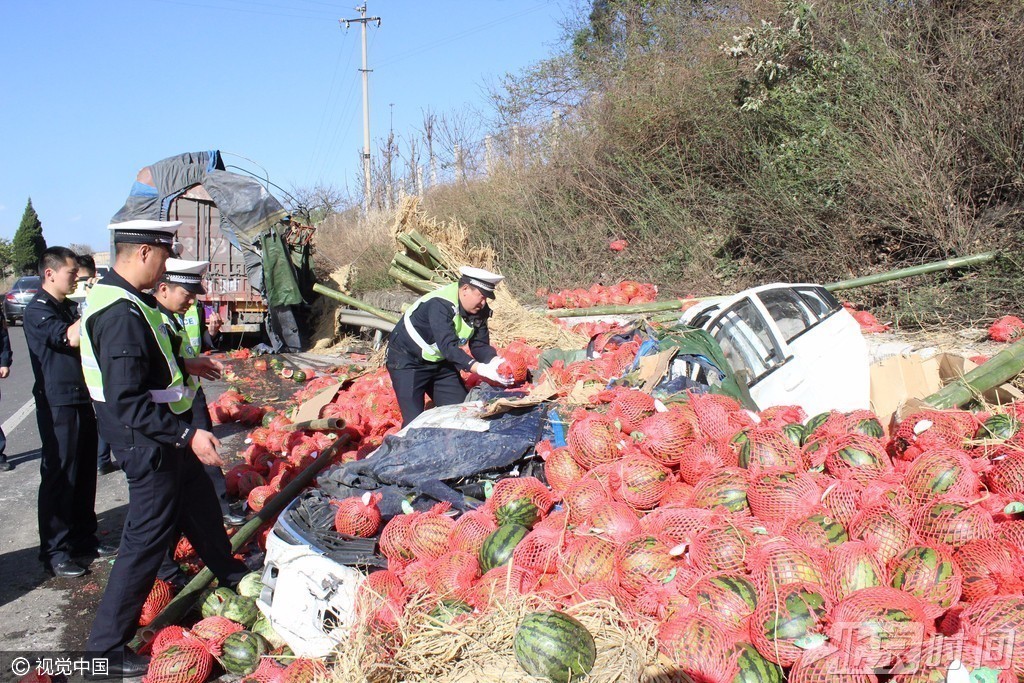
168 492
170 569
440 381
67 481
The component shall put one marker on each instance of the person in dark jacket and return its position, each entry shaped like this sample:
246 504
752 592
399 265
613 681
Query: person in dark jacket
6 358
424 349
67 423
136 380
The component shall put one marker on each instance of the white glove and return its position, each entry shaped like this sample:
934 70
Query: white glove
490 371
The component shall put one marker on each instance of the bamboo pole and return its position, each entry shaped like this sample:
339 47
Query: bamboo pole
411 246
923 269
355 303
626 309
416 268
432 249
410 281
1001 368
318 425
183 601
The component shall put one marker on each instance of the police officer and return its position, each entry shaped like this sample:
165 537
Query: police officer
67 423
424 354
136 381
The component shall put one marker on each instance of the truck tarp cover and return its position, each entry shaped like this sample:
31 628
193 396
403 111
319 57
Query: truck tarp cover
246 208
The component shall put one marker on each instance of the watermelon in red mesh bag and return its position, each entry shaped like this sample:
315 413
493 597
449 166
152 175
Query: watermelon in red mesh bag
766 447
395 541
429 531
940 472
677 493
990 567
779 562
1012 531
159 597
927 429
663 436
863 457
499 585
305 671
658 600
842 497
453 573
647 560
818 530
780 416
1007 475
380 601
615 521
258 497
702 456
828 664
953 521
887 526
697 645
186 661
642 481
852 566
268 671
721 548
995 622
777 496
513 495
878 624
629 408
358 515
678 522
561 470
729 597
165 637
788 617
716 416
471 529
583 498
540 551
725 489
930 573
1006 329
589 558
940 658
213 630
594 439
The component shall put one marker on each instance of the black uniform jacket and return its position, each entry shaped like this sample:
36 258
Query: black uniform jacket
433 319
6 357
57 366
132 363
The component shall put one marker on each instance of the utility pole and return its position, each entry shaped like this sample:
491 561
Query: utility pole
363 19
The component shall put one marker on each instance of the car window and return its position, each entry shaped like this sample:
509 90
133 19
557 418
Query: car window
819 300
789 310
746 341
26 283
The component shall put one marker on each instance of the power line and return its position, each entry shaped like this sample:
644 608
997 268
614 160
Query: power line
328 102
183 3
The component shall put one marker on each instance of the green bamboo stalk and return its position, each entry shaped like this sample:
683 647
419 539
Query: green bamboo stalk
321 424
355 303
626 309
434 252
183 601
412 282
923 269
416 268
1001 368
410 244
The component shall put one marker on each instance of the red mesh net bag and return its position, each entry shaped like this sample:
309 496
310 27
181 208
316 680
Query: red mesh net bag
780 416
259 496
561 470
305 671
1012 531
930 573
877 624
779 562
990 567
658 600
697 645
159 597
589 558
414 575
358 515
453 573
725 488
863 457
268 671
852 566
593 440
167 636
239 476
716 417
829 664
818 530
615 521
677 493
1006 329
702 456
786 615
186 661
1007 476
927 429
471 530
887 526
512 489
676 522
953 522
429 531
380 601
647 560
499 585
183 550
642 481
765 447
942 471
663 436
777 496
395 541
630 407
842 498
540 551
213 630
937 656
583 498
721 548
996 622
729 597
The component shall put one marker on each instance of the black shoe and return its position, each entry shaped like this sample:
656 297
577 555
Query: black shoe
98 550
107 468
130 666
4 465
66 570
231 519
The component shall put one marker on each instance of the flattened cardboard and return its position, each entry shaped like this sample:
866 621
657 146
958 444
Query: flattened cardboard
653 368
310 409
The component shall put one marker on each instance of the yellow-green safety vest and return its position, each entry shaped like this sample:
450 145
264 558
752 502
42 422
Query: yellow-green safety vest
174 323
102 297
463 330
193 330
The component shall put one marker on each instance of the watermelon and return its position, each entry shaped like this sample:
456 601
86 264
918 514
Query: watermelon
731 598
498 547
241 652
213 602
820 530
929 573
240 610
869 427
286 373
795 432
554 646
521 511
753 668
726 487
264 628
299 376
250 586
999 426
812 424
448 611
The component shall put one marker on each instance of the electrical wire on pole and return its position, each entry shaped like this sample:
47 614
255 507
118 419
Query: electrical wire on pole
364 20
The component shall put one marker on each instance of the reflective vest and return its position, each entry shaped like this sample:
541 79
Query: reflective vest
193 332
102 297
463 330
175 326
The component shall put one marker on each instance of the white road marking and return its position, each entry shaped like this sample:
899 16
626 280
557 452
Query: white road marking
14 420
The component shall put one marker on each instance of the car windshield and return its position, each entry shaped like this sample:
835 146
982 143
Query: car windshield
31 282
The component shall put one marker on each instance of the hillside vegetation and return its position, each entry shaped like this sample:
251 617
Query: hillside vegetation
733 144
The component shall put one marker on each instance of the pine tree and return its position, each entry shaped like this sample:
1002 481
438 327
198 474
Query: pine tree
28 244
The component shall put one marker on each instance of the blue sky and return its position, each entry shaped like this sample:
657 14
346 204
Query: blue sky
94 90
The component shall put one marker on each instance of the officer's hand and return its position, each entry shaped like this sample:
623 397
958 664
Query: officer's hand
490 371
74 334
4 372
213 324
204 444
204 367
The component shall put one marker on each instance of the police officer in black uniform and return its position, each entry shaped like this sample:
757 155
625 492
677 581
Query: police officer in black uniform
67 423
135 377
424 349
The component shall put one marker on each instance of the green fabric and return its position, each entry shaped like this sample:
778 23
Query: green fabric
697 342
278 272
548 357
